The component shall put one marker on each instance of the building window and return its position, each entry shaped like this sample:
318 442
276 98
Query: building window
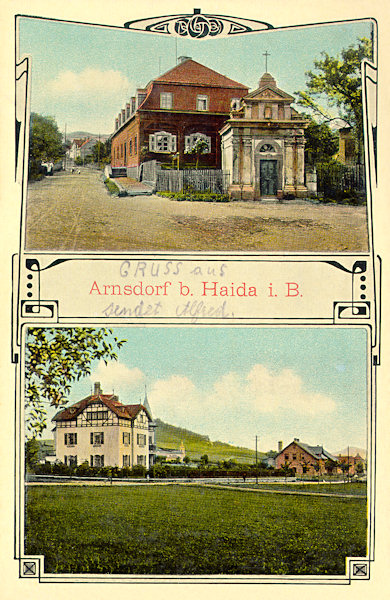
235 103
71 461
131 147
97 438
267 148
141 439
202 102
141 460
166 100
126 438
162 141
190 141
135 145
70 439
286 457
97 415
97 460
126 462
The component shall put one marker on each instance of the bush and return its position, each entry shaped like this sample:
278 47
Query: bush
191 196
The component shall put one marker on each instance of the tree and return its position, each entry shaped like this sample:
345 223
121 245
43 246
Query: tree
45 142
204 459
321 143
337 80
55 358
101 152
32 452
200 147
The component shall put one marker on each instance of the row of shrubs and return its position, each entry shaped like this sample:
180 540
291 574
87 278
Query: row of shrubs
190 196
159 471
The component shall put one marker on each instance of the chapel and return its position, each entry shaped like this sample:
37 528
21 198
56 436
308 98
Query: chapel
263 145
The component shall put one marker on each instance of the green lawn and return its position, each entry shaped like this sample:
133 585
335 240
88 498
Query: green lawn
354 489
191 530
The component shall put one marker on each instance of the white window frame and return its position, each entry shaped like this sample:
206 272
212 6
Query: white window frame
235 103
162 142
190 141
166 100
97 438
202 102
70 439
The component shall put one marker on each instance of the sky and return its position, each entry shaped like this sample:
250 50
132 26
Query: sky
235 383
84 75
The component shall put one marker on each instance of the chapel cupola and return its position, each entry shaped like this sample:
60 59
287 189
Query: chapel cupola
267 80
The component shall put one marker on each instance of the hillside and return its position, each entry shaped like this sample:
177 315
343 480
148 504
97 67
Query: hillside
85 134
170 437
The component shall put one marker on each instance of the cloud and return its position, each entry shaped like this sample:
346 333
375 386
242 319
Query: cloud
117 376
90 83
176 400
238 403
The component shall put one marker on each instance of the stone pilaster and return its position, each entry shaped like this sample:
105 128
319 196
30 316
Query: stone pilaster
247 163
236 161
289 187
300 170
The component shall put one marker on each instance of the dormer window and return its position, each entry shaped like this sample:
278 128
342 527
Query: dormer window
202 102
166 100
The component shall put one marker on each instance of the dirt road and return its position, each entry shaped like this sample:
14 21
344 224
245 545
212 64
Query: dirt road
70 212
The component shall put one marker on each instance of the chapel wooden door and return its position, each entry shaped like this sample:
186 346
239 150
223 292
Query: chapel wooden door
268 178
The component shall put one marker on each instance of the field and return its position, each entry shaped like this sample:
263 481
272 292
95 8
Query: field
176 529
354 489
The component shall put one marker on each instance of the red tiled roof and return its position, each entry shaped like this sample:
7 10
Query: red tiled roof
124 411
193 72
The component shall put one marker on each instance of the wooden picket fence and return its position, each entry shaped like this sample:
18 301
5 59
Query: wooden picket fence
194 180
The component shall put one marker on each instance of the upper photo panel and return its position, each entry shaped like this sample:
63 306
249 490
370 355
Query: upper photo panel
145 142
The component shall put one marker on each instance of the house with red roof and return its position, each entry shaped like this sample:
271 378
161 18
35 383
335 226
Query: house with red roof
167 117
102 431
305 458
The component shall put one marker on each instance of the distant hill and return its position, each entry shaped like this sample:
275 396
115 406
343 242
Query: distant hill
170 437
85 134
353 450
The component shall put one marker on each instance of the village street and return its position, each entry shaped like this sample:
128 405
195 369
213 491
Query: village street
75 212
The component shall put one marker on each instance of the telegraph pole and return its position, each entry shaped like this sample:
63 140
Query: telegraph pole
257 476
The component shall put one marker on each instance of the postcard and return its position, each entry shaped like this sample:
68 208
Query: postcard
194 238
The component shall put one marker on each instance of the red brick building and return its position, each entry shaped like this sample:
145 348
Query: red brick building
304 458
187 103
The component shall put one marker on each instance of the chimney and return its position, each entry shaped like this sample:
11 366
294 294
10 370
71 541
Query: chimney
96 388
182 59
280 446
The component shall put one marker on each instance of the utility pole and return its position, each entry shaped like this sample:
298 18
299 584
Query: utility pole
257 476
65 149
